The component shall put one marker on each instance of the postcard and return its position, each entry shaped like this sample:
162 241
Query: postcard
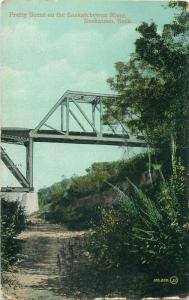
94 149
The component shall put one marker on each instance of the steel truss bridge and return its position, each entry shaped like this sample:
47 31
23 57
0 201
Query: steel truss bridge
85 111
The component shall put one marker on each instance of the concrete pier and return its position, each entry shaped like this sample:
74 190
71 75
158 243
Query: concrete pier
29 201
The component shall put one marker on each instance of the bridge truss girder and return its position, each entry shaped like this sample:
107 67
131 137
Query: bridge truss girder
94 100
63 134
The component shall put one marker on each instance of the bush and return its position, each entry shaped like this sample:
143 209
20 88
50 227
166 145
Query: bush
144 234
83 217
12 223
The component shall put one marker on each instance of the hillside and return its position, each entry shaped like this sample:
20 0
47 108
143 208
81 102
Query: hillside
76 201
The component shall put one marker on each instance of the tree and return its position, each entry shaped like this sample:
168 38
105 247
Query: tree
153 87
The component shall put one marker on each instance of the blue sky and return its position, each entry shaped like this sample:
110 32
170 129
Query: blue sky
43 57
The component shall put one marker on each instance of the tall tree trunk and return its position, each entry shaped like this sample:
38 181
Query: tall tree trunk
187 163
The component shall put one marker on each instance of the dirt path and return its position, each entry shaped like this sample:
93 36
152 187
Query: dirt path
50 257
54 265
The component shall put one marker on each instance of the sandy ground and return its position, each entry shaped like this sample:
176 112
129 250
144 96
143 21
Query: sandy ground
35 276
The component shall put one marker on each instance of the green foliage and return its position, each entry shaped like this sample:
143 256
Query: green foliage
12 223
147 230
56 191
143 233
94 181
83 217
153 85
64 202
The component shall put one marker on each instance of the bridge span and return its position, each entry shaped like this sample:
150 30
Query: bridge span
83 109
21 136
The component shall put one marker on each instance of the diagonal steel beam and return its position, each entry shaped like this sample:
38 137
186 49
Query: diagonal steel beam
62 116
113 130
51 111
50 127
13 169
123 127
76 119
84 115
119 122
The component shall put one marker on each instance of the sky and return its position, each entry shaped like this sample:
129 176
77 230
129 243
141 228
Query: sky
43 55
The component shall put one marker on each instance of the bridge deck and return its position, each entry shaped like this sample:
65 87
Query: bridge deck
22 135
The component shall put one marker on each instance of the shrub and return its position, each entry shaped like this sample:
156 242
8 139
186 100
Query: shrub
83 217
12 223
143 234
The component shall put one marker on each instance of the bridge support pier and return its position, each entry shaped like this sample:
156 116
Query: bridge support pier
29 202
